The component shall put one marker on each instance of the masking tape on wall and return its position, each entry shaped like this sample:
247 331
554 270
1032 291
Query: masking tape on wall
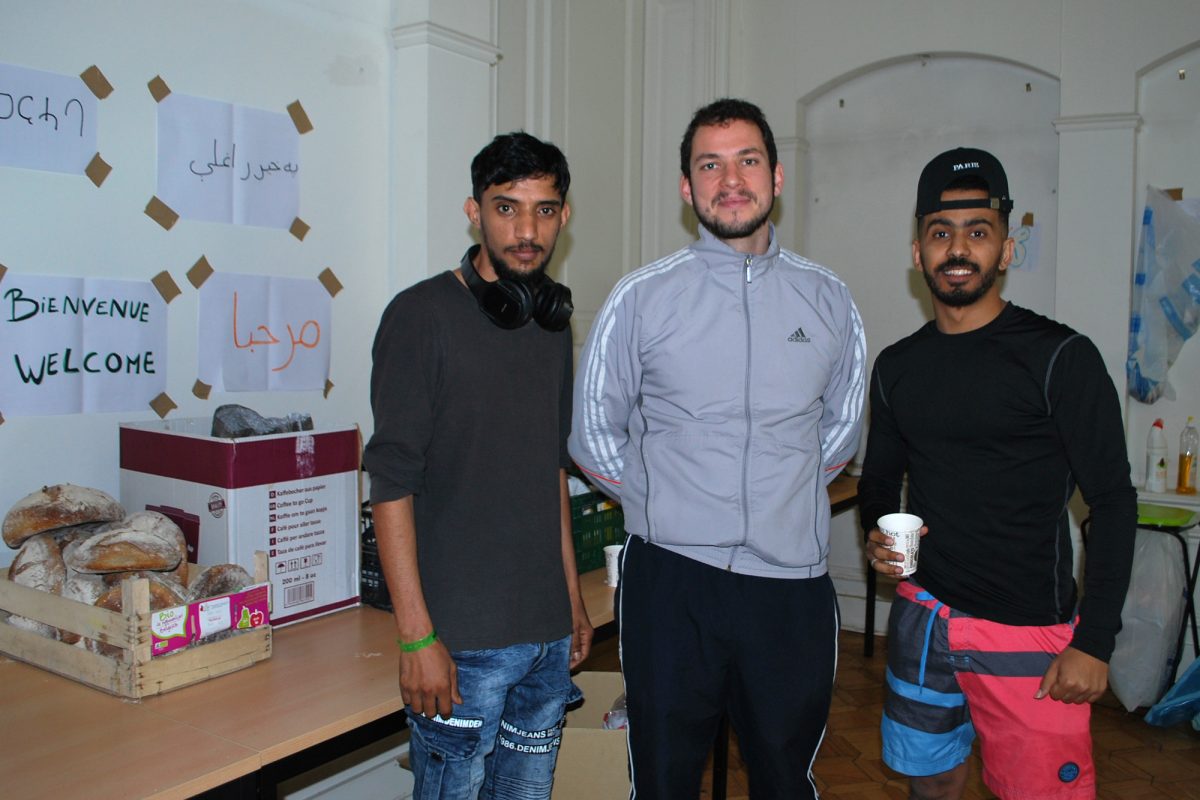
199 272
168 289
158 88
94 79
163 405
161 213
299 228
330 282
97 170
299 118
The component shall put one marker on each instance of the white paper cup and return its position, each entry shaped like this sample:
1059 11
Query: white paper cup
905 530
612 560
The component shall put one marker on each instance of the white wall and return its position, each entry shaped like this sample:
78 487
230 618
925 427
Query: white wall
867 140
1168 156
785 55
572 73
263 54
403 92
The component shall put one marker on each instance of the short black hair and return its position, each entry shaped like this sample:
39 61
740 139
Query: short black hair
722 112
514 157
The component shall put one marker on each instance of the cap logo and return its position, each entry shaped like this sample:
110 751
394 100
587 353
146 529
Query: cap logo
967 165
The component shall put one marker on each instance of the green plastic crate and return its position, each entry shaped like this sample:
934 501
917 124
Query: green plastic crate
596 522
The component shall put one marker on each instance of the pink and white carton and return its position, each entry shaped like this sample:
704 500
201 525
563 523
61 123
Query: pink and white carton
294 496
175 628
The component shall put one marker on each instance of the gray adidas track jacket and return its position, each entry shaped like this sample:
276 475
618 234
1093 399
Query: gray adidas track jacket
717 395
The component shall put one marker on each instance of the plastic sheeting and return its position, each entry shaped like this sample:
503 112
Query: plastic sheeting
1166 295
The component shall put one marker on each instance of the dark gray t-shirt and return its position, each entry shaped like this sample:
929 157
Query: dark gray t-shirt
472 420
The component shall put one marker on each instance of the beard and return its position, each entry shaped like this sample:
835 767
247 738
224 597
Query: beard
504 271
738 229
958 296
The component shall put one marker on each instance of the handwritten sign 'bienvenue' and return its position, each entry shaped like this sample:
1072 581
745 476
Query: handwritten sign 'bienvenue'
47 120
80 345
259 333
219 162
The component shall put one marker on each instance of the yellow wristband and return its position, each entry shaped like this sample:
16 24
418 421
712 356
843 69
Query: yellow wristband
419 644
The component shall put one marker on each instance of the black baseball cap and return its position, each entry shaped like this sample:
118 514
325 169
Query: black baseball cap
958 163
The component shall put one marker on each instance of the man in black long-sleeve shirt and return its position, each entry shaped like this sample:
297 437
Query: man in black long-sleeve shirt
995 414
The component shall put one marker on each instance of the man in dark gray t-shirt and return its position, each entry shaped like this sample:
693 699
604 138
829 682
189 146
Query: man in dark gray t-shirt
471 393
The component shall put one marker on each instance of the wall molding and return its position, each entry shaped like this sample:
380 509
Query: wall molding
792 144
431 34
1098 122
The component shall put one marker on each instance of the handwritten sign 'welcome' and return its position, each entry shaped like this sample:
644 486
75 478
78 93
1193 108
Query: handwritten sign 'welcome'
47 120
80 345
260 333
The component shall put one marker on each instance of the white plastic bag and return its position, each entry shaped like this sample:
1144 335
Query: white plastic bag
1166 295
1143 660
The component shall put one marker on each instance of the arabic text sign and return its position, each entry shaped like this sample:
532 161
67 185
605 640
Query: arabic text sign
220 162
260 333
47 120
80 345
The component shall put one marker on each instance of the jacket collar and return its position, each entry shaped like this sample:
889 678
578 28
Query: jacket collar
717 254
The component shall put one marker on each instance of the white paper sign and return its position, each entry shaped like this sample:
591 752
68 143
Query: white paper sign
213 616
219 162
47 121
261 333
80 345
1027 245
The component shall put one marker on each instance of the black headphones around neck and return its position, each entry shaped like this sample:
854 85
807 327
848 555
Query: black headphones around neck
511 304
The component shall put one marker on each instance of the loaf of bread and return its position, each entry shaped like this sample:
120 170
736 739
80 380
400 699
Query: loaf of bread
217 580
58 506
143 540
164 593
81 587
181 571
38 565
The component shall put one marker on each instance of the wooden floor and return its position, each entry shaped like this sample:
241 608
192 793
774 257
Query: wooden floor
1133 760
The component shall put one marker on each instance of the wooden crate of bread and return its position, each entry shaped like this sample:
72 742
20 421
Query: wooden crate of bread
132 672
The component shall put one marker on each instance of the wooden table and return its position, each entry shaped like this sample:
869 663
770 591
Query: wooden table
329 686
62 739
328 677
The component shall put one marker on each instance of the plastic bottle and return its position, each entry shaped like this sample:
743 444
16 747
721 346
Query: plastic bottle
1156 458
1189 444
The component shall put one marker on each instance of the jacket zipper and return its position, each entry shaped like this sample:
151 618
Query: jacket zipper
746 394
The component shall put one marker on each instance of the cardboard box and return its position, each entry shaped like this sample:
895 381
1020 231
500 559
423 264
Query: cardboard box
593 763
135 671
293 495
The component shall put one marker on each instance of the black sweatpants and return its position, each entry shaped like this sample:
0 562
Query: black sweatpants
697 641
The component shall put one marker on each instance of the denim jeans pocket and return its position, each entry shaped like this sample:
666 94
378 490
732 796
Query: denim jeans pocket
443 756
454 739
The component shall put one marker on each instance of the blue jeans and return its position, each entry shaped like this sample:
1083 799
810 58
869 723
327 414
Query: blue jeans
504 738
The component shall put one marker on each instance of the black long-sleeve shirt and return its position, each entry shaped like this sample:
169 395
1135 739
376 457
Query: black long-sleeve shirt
995 428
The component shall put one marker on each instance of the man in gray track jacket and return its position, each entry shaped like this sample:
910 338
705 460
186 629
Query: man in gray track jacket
719 392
